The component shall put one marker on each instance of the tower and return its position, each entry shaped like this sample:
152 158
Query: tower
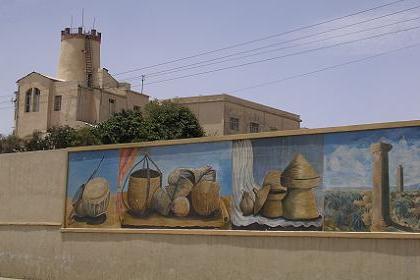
79 55
400 178
380 193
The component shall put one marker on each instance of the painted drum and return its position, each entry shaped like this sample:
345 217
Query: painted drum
95 198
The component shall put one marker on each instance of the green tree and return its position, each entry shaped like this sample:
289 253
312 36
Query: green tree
85 136
123 127
11 144
60 137
36 142
168 120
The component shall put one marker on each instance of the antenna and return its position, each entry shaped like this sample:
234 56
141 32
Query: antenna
94 19
83 17
71 21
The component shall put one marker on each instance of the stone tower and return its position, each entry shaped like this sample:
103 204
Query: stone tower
380 193
400 178
79 56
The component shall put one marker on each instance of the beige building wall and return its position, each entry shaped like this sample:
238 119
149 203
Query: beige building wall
32 188
209 115
27 122
215 113
69 92
79 104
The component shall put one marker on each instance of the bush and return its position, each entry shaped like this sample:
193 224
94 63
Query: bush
161 121
11 144
85 137
36 142
122 127
167 120
60 137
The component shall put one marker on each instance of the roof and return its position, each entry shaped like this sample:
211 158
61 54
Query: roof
43 75
235 100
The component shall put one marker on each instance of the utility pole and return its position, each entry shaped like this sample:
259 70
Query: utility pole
143 77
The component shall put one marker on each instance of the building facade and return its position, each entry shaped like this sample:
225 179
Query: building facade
84 93
225 114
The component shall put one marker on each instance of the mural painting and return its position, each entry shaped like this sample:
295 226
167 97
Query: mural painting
348 181
182 186
372 180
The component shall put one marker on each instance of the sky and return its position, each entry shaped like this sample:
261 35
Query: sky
167 158
138 34
348 160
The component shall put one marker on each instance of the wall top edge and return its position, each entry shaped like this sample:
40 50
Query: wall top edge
250 136
251 233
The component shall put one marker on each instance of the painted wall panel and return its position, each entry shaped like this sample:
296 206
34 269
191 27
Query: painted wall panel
324 182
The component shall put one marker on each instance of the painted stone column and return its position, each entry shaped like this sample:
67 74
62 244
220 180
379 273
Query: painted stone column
400 178
380 193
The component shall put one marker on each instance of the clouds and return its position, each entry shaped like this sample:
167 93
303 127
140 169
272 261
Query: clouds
347 166
406 153
350 165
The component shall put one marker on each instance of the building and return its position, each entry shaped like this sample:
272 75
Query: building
82 92
225 114
85 93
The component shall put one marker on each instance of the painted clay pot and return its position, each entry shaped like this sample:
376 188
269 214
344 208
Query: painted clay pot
247 204
181 206
142 185
205 198
162 201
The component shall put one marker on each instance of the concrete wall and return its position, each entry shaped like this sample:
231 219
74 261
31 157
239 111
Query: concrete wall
32 191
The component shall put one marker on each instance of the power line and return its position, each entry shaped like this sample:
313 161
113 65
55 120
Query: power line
311 72
294 30
278 49
262 38
325 68
280 57
58 86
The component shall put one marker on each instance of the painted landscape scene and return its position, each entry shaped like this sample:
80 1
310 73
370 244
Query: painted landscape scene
373 181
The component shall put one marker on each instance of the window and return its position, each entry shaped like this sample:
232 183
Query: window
254 127
28 97
35 101
234 124
57 102
136 108
111 106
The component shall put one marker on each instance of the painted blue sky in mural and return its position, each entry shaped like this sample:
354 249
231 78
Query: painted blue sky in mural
348 161
217 154
82 164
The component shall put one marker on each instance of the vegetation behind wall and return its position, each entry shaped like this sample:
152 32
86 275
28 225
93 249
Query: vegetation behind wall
160 121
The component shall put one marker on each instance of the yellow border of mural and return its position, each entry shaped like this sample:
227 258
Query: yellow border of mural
319 234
